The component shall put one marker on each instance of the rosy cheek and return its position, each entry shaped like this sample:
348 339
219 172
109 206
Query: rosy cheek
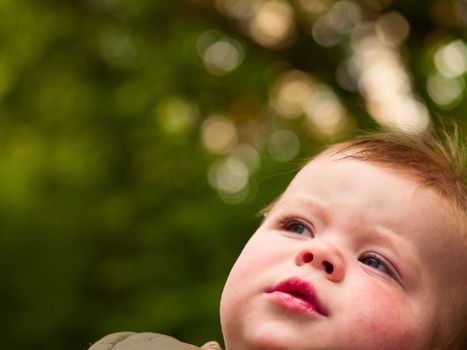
382 314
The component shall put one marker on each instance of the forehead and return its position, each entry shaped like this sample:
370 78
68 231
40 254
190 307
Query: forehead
350 179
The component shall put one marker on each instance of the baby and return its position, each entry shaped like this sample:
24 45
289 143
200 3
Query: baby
365 249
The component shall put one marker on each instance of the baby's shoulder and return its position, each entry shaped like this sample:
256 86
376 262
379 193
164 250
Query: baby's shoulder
145 341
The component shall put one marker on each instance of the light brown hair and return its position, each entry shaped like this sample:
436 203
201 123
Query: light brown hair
435 160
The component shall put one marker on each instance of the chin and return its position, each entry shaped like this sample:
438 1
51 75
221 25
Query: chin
272 338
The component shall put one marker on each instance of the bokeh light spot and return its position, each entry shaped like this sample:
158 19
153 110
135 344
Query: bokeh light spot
273 24
248 155
404 113
325 113
230 178
290 93
176 116
219 134
344 16
324 33
283 145
392 28
223 56
445 92
239 9
385 83
314 7
451 59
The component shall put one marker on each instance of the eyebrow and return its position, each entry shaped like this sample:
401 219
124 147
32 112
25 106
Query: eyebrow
310 204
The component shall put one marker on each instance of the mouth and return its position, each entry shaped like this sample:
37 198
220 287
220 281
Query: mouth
298 295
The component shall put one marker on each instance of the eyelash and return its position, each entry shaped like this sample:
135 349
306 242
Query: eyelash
389 269
286 222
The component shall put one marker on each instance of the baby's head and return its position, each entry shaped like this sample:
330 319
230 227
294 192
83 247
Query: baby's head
365 249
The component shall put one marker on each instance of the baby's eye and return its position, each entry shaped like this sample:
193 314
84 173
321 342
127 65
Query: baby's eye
296 226
377 263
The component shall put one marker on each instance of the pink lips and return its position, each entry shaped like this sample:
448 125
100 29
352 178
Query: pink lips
297 295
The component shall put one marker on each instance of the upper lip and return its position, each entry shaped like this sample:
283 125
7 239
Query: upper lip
302 289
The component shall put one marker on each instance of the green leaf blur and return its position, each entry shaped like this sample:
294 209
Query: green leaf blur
138 140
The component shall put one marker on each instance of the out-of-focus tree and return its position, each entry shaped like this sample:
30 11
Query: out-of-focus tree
139 138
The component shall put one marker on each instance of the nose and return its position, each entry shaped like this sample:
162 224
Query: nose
325 257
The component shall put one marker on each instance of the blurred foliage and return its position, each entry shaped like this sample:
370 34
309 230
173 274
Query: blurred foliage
139 138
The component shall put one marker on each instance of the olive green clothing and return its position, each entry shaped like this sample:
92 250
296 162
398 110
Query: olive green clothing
146 341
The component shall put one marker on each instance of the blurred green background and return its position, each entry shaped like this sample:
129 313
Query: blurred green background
139 138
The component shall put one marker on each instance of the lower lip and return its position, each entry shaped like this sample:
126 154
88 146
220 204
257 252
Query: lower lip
293 304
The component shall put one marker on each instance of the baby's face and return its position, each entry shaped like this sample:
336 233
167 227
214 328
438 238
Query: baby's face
352 256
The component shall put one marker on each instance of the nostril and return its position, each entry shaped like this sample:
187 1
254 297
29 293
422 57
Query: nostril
328 267
307 257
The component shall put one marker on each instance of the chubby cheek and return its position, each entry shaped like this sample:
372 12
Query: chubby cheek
259 259
260 255
249 266
383 318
